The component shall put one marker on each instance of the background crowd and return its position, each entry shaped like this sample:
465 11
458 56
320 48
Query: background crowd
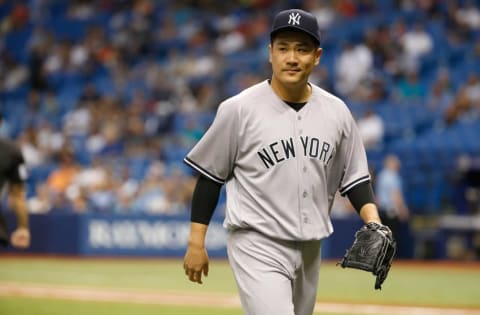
105 97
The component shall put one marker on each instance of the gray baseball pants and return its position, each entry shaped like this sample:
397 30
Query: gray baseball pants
274 277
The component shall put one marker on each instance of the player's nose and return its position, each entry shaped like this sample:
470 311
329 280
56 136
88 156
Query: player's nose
291 56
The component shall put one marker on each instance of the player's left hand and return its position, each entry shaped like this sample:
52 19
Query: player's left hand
20 238
373 250
195 263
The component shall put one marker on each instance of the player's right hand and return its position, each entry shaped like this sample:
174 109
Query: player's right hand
20 238
195 263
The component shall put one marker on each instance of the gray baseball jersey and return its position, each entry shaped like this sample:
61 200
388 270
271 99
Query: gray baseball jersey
281 167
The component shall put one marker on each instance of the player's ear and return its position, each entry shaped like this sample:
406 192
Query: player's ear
270 52
318 55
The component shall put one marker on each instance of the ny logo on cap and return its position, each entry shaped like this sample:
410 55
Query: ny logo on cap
294 18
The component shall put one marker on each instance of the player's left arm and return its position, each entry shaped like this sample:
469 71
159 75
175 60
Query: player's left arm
363 200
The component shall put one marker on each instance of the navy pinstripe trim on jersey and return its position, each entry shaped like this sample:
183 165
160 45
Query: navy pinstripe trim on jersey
197 167
346 188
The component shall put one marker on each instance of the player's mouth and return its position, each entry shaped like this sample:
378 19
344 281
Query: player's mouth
292 71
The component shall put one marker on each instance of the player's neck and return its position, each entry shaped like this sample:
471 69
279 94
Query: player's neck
292 93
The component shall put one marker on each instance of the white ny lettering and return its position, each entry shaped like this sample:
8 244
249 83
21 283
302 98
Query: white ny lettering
294 18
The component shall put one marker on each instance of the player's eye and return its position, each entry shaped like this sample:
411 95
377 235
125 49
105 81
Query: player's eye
303 49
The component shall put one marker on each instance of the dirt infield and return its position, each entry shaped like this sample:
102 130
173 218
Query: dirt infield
77 293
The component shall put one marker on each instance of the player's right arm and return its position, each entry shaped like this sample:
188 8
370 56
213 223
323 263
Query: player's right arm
17 175
204 200
20 238
195 262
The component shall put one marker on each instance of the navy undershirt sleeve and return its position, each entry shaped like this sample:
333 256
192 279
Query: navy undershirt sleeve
360 195
204 200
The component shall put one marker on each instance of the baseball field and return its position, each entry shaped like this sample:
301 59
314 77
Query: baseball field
77 286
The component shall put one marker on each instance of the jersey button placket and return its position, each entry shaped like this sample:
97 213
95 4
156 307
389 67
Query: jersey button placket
304 194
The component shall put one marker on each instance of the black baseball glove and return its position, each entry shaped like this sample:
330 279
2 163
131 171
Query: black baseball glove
372 251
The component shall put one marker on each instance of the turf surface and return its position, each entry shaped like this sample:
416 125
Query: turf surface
438 285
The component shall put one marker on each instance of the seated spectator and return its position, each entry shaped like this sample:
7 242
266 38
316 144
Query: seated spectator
371 128
467 185
61 178
441 94
14 75
152 197
353 66
28 142
468 15
415 43
40 202
126 191
410 89
466 104
179 188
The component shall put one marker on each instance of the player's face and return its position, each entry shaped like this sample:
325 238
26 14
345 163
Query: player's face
293 56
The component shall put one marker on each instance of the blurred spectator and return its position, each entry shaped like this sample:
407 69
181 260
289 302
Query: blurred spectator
78 120
467 185
323 10
410 89
466 104
5 129
468 15
37 71
14 73
371 128
393 209
50 141
40 202
28 143
152 196
100 195
81 9
179 189
352 68
61 178
441 94
126 191
16 19
415 43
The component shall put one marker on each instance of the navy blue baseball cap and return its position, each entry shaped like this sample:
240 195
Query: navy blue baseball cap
296 19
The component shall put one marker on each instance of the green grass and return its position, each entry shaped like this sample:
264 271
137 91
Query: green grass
122 273
24 306
405 285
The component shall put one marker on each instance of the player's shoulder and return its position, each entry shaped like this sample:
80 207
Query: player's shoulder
252 92
246 97
8 147
328 98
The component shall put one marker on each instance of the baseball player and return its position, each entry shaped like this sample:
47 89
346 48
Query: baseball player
12 182
283 147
